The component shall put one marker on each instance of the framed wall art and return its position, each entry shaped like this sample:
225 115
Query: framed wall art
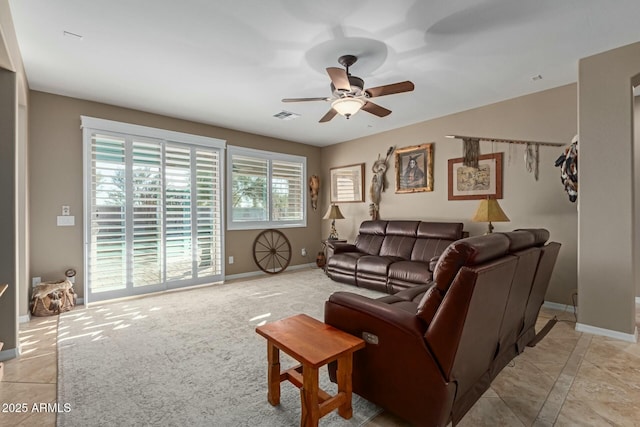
467 183
414 168
347 183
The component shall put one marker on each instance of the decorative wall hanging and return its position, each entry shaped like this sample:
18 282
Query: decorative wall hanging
467 183
347 183
314 189
414 169
470 152
568 163
471 149
379 183
532 159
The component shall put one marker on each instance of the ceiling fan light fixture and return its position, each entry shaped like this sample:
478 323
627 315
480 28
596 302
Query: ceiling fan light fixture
347 107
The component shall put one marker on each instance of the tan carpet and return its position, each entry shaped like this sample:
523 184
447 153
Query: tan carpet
189 358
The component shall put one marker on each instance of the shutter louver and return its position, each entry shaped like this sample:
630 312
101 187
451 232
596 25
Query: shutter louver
287 191
249 189
148 212
107 258
178 213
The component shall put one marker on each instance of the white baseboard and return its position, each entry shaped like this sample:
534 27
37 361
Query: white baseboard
12 353
608 332
557 306
261 273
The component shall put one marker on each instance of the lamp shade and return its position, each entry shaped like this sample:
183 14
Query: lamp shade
333 213
490 211
347 106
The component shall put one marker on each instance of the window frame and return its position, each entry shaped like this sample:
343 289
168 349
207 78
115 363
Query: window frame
270 157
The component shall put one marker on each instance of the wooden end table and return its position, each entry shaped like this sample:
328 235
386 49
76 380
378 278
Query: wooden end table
313 344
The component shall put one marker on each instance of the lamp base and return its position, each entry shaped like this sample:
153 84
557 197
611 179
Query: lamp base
490 228
333 235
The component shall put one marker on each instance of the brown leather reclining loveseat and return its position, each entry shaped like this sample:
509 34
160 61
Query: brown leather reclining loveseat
433 350
390 256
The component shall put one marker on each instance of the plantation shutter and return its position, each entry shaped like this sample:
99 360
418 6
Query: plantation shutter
249 179
287 191
107 259
209 212
153 210
267 189
148 213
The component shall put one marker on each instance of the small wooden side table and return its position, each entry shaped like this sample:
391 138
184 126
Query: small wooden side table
313 344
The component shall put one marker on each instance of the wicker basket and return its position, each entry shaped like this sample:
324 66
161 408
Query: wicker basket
50 298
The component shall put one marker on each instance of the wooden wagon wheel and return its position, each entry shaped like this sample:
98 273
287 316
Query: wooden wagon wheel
272 251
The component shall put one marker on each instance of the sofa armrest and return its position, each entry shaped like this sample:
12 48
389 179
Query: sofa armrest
339 248
396 369
383 313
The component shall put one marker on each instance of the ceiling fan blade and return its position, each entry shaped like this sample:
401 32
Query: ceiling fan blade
330 115
400 87
304 99
339 78
375 109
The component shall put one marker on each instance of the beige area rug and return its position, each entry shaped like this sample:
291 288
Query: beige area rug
189 358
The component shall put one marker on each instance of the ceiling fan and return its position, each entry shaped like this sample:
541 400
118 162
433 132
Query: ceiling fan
348 95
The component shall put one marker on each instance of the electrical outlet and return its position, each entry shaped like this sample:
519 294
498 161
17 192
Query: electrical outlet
35 281
231 260
303 252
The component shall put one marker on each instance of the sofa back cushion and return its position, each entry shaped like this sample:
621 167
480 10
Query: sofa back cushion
400 238
464 333
433 238
371 234
522 246
466 252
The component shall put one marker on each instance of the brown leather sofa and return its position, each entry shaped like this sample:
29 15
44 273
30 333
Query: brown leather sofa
433 350
390 256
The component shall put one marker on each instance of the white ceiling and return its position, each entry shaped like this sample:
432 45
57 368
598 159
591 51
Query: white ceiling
230 62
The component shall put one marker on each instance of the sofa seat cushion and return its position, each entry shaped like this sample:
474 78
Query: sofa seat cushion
409 272
374 265
345 261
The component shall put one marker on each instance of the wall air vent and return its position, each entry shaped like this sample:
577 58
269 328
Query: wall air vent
286 115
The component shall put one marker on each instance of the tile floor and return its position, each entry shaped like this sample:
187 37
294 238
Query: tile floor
568 379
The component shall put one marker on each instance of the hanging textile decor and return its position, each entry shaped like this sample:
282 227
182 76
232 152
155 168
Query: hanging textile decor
568 164
470 152
531 159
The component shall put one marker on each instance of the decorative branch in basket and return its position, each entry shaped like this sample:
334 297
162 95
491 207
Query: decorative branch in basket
51 298
379 183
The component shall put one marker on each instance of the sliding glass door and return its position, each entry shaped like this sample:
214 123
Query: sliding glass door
153 214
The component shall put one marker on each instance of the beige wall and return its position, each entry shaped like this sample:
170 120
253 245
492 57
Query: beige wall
56 180
606 228
543 116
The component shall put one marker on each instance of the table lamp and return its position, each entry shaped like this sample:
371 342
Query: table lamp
489 211
333 213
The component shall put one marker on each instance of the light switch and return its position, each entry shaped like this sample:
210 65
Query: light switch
66 221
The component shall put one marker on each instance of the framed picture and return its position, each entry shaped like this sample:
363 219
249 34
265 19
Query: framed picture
467 183
347 183
414 168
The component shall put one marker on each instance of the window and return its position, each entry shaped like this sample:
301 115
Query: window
153 211
266 189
